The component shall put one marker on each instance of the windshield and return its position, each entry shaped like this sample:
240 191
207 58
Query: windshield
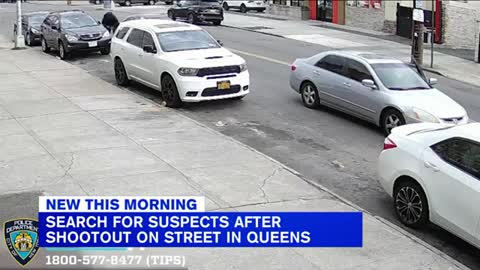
399 76
186 40
36 19
77 20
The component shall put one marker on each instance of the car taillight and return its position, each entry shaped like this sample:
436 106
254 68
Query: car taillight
293 68
388 144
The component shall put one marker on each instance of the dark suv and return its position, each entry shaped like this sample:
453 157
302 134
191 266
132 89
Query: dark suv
73 30
197 11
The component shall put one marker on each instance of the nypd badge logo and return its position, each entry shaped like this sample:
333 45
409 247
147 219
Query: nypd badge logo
21 237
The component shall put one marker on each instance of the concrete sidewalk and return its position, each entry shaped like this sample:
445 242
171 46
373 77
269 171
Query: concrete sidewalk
343 39
66 132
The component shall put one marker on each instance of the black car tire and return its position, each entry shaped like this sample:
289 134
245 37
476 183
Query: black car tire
171 15
121 75
386 120
28 39
62 52
122 4
243 8
45 47
225 6
170 92
309 90
128 3
191 18
217 22
105 51
412 211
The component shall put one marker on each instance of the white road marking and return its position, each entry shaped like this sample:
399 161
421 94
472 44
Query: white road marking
326 41
261 57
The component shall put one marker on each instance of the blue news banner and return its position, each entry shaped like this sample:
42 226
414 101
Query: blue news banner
200 229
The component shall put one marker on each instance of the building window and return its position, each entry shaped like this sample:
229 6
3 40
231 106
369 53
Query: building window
280 2
365 3
295 3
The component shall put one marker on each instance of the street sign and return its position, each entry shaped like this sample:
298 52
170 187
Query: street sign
418 15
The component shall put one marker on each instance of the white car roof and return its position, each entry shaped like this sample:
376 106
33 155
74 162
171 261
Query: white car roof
368 57
158 26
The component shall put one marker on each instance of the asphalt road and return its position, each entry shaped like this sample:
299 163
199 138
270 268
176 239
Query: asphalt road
336 150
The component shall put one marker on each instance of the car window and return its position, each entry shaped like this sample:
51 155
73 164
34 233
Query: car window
186 40
122 32
136 38
148 40
461 153
357 71
332 63
36 19
55 21
77 20
399 76
48 20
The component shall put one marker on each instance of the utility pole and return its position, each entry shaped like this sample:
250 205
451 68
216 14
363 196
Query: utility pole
433 33
417 32
19 38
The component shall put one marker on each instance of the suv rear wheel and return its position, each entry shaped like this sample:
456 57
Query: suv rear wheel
225 6
191 18
217 22
62 52
120 73
243 8
45 47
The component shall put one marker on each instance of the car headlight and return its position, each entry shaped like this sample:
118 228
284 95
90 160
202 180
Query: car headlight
243 67
188 71
34 31
70 37
422 116
106 34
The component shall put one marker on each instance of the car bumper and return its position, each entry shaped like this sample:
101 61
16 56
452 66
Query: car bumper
210 17
206 89
35 37
84 45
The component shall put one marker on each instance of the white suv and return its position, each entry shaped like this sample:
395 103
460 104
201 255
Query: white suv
245 5
181 60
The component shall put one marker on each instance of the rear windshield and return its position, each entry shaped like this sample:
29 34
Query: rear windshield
399 76
36 19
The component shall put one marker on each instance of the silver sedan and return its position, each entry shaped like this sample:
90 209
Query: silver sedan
386 92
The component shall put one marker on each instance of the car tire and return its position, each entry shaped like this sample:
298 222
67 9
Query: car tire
225 6
191 18
122 4
243 8
45 47
62 52
390 119
170 15
28 39
411 204
170 92
105 51
128 3
217 22
309 94
121 75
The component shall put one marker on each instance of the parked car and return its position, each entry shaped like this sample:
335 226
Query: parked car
74 30
31 23
384 91
195 11
245 5
130 2
144 17
432 171
181 60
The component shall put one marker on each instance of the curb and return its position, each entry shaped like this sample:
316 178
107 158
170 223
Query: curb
257 16
250 30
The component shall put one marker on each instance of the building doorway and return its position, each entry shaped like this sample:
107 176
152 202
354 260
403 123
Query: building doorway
325 10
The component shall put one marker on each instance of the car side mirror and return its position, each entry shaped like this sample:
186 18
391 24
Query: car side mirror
369 83
149 49
220 42
432 81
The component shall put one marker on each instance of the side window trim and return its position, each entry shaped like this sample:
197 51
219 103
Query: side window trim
347 65
342 73
140 38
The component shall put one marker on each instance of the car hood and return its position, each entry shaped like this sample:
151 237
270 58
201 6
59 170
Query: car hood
432 101
204 58
87 30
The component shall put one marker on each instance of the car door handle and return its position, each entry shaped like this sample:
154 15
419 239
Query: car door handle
316 72
431 166
347 84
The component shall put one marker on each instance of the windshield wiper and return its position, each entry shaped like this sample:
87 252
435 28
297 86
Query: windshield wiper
417 88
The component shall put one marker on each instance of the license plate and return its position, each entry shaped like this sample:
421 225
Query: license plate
92 44
223 85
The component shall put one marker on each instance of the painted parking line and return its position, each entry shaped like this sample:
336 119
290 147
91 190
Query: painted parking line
260 57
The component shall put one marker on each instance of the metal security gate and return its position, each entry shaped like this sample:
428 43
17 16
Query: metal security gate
404 21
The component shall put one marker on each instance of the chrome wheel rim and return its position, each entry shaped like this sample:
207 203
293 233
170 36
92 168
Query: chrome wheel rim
62 52
409 205
308 95
392 121
44 45
190 18
27 39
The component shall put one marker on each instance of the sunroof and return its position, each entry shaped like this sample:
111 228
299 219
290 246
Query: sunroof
170 25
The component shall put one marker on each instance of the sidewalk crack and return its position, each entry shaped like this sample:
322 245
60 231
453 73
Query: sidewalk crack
262 188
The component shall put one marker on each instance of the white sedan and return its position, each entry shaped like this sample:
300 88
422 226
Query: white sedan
181 60
432 171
